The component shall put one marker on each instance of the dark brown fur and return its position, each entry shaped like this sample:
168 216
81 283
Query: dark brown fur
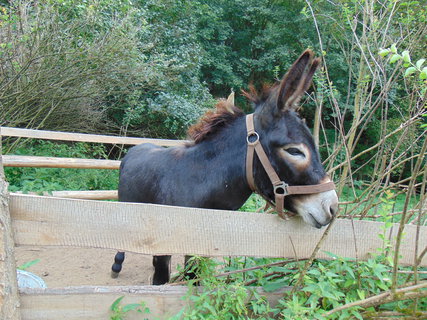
258 97
212 121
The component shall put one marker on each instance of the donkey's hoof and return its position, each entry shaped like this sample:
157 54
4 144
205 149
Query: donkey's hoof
159 280
115 270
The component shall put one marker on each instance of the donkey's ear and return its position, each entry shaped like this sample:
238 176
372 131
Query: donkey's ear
229 104
296 81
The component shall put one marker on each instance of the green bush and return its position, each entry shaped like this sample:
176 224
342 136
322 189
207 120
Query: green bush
326 285
106 66
52 179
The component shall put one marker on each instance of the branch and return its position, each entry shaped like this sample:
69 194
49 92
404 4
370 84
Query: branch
385 297
225 274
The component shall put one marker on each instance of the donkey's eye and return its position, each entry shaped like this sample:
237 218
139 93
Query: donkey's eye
295 152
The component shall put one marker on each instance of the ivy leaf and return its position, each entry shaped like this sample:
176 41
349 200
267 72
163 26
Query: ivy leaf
395 58
410 71
419 63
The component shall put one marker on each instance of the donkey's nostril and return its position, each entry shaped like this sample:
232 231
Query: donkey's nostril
333 209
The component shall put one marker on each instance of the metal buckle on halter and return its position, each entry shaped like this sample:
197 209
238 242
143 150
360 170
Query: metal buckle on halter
281 189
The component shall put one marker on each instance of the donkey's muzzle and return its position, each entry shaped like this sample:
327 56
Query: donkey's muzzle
318 209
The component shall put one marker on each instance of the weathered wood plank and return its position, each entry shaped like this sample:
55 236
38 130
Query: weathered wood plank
86 194
156 229
83 137
51 162
9 299
75 303
89 302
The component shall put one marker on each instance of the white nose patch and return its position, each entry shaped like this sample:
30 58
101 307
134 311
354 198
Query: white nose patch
317 209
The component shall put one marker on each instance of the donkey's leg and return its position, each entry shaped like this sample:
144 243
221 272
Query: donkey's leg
161 269
117 265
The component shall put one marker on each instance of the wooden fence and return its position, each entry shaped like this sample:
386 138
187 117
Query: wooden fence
154 229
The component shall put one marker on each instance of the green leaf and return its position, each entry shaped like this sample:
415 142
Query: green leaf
131 306
406 56
395 58
419 63
357 314
116 303
361 294
350 271
423 74
332 255
28 264
384 52
331 274
269 287
393 48
314 272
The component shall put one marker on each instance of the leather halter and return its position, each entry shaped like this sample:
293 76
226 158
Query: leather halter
281 188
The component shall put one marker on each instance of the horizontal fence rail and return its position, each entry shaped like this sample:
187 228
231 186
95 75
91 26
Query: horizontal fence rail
53 162
158 229
87 194
92 302
84 137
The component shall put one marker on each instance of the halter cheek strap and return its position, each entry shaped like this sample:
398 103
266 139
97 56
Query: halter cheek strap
281 188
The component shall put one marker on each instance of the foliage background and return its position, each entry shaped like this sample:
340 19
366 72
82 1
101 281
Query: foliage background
152 67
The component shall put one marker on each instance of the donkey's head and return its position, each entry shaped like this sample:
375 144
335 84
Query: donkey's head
289 144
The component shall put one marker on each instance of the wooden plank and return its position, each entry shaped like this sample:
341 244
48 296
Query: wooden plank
89 302
51 162
157 229
83 137
94 302
86 194
9 299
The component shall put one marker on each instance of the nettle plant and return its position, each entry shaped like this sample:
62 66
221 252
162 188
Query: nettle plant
227 293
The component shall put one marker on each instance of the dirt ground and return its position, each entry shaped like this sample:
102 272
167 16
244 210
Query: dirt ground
62 267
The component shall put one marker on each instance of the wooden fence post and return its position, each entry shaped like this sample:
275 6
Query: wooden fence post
9 295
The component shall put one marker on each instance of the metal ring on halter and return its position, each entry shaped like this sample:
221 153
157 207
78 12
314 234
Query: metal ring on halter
250 135
281 188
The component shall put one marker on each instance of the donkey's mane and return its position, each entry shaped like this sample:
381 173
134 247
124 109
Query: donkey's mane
213 120
262 95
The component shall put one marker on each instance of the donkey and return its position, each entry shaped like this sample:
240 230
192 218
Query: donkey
212 171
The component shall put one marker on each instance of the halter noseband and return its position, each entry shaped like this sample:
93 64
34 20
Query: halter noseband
281 188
